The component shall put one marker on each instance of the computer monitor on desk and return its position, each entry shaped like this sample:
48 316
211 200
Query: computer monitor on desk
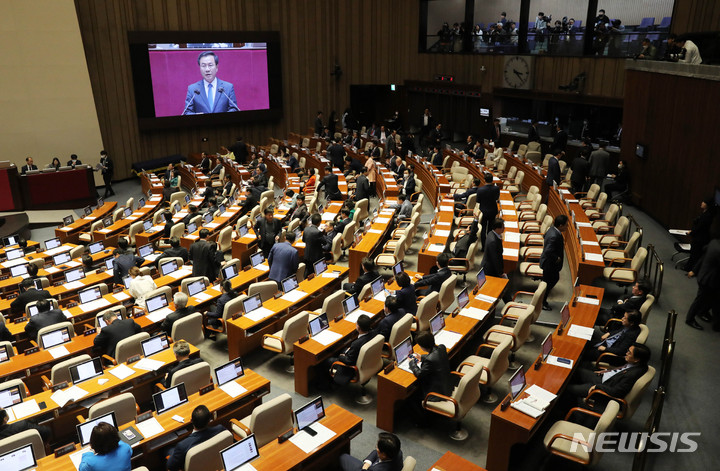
238 454
89 295
230 371
168 267
257 258
96 247
52 243
10 396
318 324
145 250
397 268
196 286
349 305
320 267
403 351
86 370
74 275
19 270
564 318
156 302
55 338
517 383
229 272
290 283
84 430
61 258
155 344
481 278
309 414
4 353
19 459
170 398
14 253
251 303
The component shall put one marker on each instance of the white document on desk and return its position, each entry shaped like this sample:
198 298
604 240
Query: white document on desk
75 393
584 300
73 285
294 296
473 313
584 224
148 364
93 305
512 237
442 233
149 428
374 231
594 257
307 443
511 224
202 296
328 216
233 389
330 274
486 298
680 232
262 267
58 352
553 360
76 457
259 314
580 332
25 409
60 397
540 393
326 337
506 203
527 409
436 248
382 220
447 338
180 273
353 316
122 371
591 243
160 314
57 250
121 296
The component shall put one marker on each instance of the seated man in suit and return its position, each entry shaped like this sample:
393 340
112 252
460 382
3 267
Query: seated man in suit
175 250
405 207
301 209
74 161
616 340
8 430
342 221
210 95
28 293
193 211
341 375
616 382
283 258
200 419
631 302
434 281
181 349
28 166
393 313
115 331
44 318
385 457
369 273
432 371
181 310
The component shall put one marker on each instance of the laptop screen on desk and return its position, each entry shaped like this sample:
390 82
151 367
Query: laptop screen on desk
95 247
547 346
52 243
350 304
145 250
4 355
257 258
156 302
195 287
463 298
230 371
397 268
481 278
147 225
168 267
437 323
15 253
403 351
19 459
55 337
127 212
252 303
230 271
89 295
74 275
318 324
240 453
86 370
377 285
320 267
242 231
67 220
517 383
141 203
309 413
108 221
289 283
192 227
565 316
10 397
84 430
61 258
155 344
170 398
18 270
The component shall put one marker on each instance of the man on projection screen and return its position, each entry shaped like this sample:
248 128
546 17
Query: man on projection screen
210 95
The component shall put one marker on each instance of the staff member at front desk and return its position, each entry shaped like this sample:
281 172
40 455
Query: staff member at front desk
28 166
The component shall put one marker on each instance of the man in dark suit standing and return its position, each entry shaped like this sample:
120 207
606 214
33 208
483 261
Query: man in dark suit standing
385 457
434 281
202 256
708 278
435 136
492 260
313 243
330 183
239 149
267 230
122 263
362 186
599 160
28 166
487 197
28 294
175 250
533 134
115 331
180 300
553 254
205 163
580 168
283 259
561 138
181 349
108 170
342 375
369 273
200 418
616 340
44 318
336 152
553 172
496 135
318 123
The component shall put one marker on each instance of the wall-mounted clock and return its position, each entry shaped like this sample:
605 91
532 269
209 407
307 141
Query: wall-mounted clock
517 72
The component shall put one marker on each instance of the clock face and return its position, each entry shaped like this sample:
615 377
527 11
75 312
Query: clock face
517 72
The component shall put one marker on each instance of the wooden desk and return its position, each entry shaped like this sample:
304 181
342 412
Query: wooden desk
433 180
71 233
286 456
371 241
245 335
511 234
452 462
441 234
399 384
511 427
78 189
121 227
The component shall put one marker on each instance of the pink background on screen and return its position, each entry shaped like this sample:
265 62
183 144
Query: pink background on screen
173 70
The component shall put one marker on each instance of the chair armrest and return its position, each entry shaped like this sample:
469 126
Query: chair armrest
612 273
279 339
46 384
339 363
492 331
444 398
566 455
110 359
614 320
415 195
459 263
529 293
529 266
457 373
160 387
480 350
582 411
241 426
605 355
535 239
589 400
80 419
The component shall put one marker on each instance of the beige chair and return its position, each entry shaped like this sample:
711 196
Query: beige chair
596 210
8 345
456 406
516 185
189 328
27 437
166 290
123 405
177 197
514 309
399 332
409 464
519 332
194 376
336 248
427 308
619 251
647 307
533 156
127 348
493 366
61 372
58 326
332 304
361 210
232 307
369 363
625 276
447 292
522 150
187 281
206 455
563 437
9 383
534 146
465 265
266 289
135 228
267 421
224 240
76 252
348 235
608 219
300 273
177 230
88 236
630 403
284 340
388 260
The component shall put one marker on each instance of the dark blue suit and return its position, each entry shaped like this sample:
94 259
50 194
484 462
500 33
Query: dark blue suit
553 173
283 260
200 104
407 299
487 197
177 457
551 260
385 326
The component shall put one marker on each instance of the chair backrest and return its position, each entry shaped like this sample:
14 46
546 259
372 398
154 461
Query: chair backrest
123 405
510 146
400 330
499 363
206 455
519 178
294 328
472 252
533 156
177 230
427 308
522 329
184 284
467 392
447 292
541 212
362 208
266 289
135 228
166 290
502 164
306 142
593 192
369 360
194 376
635 395
332 304
612 213
300 273
511 173
9 383
547 222
177 197
58 326
643 335
61 371
8 347
365 292
76 252
224 239
521 150
348 234
271 419
234 306
601 201
604 423
639 259
621 227
53 305
31 437
647 307
537 300
632 245
117 214
336 248
130 346
189 328
533 146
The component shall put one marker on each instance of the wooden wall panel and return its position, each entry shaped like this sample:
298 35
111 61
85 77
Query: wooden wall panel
695 16
374 41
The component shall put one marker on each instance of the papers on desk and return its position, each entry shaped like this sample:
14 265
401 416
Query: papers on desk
76 457
259 314
447 208
591 243
149 428
508 212
294 296
52 270
593 257
447 338
72 264
121 296
330 274
506 203
227 214
307 443
382 220
374 231
153 256
132 218
553 360
63 396
73 285
24 409
12 263
326 337
584 300
442 233
680 232
540 394
148 364
180 273
512 237
300 244
328 216
262 267
486 298
156 198
530 406
211 225
511 224
93 305
580 332
191 236
58 352
233 389
511 252
584 224
353 316
202 296
436 248
57 250
474 313
156 228
160 314
122 371
65 229
381 296
67 314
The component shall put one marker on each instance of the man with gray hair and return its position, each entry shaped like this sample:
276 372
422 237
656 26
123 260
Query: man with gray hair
180 300
181 349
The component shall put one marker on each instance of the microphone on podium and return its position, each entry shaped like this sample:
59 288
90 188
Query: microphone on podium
222 90
196 92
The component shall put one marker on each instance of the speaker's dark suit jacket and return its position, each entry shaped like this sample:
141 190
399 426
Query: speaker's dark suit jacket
109 336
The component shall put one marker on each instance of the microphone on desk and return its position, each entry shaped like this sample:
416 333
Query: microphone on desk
196 92
222 90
